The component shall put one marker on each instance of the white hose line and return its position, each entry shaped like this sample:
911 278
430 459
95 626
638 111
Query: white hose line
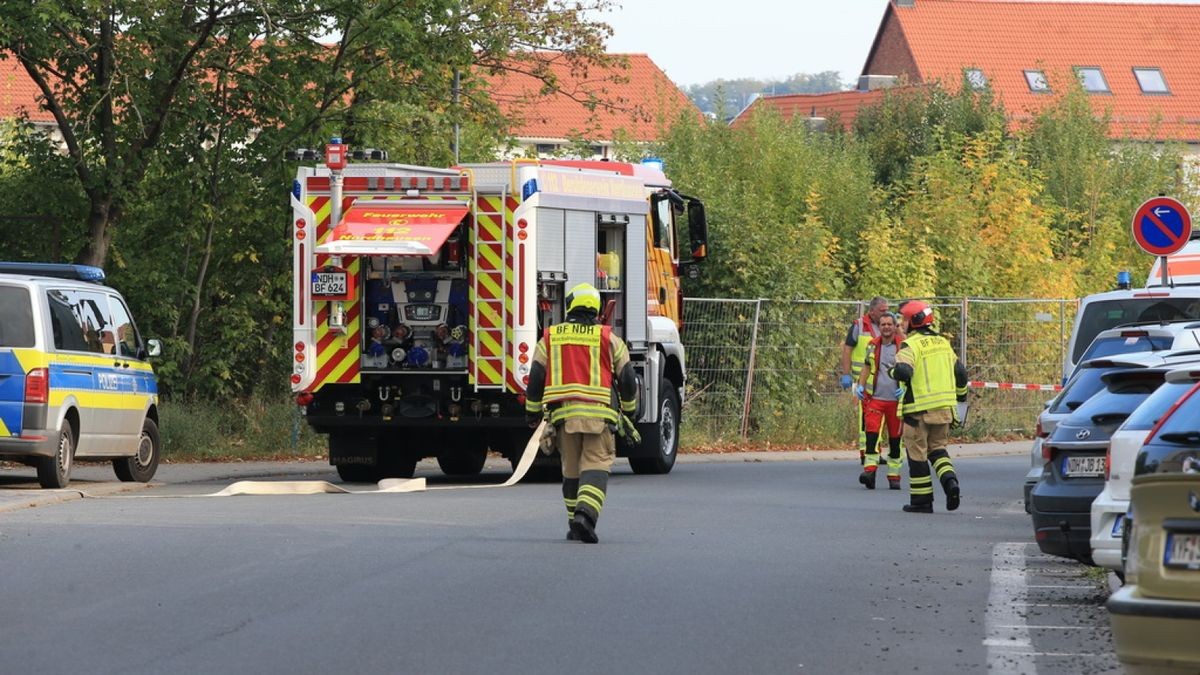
311 487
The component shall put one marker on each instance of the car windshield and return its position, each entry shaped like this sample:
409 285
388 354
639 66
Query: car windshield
1116 344
1183 426
1082 386
1104 314
16 317
1147 414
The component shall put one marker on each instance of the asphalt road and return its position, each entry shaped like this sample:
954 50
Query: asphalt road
719 567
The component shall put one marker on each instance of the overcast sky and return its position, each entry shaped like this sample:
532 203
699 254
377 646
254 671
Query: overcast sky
697 41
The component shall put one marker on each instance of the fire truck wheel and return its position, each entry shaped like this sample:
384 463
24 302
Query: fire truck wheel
357 473
463 456
395 458
141 467
660 440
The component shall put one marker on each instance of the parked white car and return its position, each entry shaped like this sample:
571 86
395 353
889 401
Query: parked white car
1109 508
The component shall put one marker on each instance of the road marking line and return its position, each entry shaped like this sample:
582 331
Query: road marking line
1029 627
1005 626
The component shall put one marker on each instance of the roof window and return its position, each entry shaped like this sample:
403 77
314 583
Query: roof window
976 78
1151 80
1037 82
1092 80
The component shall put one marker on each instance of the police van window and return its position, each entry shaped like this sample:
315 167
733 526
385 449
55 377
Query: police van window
16 317
69 331
79 321
97 317
128 341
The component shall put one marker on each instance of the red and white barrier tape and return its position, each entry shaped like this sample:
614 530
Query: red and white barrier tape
979 384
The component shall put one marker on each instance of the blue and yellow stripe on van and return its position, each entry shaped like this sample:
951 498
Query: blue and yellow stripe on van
12 394
97 382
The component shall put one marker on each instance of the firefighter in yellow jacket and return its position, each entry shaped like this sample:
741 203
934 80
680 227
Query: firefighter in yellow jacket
574 368
934 381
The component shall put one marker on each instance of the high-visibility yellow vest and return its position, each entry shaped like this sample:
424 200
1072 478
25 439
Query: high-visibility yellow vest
858 354
579 371
932 383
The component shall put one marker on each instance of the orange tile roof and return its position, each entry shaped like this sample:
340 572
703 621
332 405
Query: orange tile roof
1004 38
18 93
841 104
636 100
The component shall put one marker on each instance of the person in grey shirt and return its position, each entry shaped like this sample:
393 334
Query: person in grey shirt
880 396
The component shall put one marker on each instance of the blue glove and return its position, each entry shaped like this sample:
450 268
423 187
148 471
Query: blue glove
860 391
899 393
846 382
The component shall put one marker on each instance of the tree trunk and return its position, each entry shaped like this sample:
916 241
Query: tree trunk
197 299
100 218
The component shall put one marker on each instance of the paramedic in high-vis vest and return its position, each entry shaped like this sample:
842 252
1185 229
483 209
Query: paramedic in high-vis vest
880 395
574 368
935 381
854 354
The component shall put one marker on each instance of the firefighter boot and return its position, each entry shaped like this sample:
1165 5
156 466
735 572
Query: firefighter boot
583 529
920 488
949 479
952 494
588 504
570 490
867 477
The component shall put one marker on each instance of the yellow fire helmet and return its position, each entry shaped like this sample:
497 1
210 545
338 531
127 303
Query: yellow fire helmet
583 296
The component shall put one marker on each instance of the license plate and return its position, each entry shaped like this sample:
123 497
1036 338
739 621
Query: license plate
1083 466
329 283
1183 551
1116 531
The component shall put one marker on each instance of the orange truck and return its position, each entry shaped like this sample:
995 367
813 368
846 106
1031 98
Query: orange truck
420 293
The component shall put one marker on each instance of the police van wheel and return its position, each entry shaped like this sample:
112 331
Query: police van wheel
55 471
660 441
142 466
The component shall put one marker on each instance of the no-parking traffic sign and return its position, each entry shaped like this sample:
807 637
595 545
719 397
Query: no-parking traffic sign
1162 226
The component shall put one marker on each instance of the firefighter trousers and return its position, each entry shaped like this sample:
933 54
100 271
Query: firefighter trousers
925 437
588 449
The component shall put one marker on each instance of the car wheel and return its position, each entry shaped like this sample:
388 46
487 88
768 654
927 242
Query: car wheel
55 471
660 441
142 466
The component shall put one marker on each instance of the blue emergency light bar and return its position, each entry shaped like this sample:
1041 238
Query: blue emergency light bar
56 270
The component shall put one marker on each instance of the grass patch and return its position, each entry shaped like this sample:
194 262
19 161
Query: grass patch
203 431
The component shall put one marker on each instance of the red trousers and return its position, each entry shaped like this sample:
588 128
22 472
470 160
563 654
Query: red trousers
876 412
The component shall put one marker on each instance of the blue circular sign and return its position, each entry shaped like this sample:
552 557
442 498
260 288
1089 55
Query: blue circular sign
1162 226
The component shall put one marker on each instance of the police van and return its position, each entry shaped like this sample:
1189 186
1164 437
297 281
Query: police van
75 381
1175 301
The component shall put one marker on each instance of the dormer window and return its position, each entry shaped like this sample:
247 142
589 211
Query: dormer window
1036 80
1151 80
976 78
1092 80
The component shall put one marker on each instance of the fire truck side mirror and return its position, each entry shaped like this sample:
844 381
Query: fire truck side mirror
697 229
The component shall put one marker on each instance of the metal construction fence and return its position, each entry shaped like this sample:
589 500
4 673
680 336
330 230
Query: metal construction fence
768 369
